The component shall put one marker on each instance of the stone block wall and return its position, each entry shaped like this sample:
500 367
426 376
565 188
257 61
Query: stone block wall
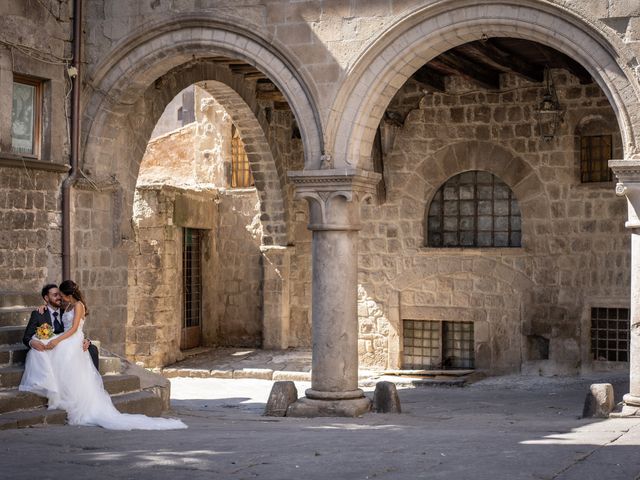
34 42
574 246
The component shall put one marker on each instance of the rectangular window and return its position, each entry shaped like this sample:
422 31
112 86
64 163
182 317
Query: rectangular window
435 345
26 116
192 286
610 334
595 153
240 172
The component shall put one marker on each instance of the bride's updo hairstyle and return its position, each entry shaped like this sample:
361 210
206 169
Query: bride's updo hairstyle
69 287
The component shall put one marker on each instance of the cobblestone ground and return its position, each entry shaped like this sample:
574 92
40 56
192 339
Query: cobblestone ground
499 428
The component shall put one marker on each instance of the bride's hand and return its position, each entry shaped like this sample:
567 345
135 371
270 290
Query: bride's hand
53 343
42 309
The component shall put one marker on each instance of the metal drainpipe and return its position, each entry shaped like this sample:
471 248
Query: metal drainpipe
75 141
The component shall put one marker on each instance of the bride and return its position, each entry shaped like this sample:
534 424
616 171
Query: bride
65 374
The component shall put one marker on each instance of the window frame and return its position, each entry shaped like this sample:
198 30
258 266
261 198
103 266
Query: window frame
38 85
439 195
238 151
582 160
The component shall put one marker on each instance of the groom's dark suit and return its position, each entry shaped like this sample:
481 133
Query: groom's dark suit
38 319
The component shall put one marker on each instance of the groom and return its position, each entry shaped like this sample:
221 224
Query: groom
53 316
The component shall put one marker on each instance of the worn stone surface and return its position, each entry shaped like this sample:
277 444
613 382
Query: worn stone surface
283 394
599 401
385 398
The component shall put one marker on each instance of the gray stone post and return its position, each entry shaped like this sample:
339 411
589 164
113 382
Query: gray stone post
628 173
334 198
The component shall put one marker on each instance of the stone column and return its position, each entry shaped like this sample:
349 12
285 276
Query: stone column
628 173
334 198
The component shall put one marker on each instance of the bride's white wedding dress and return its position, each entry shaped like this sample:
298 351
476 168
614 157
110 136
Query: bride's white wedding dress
67 377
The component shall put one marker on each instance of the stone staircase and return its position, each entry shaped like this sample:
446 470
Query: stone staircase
132 389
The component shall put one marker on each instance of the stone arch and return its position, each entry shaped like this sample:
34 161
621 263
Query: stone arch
127 93
434 29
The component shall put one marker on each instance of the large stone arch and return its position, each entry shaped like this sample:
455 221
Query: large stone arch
123 98
131 89
434 29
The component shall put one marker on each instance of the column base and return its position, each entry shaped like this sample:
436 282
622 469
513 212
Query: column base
631 407
308 407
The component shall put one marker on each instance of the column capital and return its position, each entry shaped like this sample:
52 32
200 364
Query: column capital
628 174
334 195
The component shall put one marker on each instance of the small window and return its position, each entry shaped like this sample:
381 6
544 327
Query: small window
240 172
610 334
26 116
474 209
435 345
180 114
595 153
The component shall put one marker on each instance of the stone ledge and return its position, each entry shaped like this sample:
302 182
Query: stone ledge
15 161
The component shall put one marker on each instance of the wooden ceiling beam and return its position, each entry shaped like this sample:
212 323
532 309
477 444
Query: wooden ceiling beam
489 53
430 78
457 64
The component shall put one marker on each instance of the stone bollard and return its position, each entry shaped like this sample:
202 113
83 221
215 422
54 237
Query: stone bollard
282 395
599 402
385 398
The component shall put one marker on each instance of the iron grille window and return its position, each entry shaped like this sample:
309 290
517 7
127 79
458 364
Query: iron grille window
610 334
240 172
595 153
192 277
429 345
474 209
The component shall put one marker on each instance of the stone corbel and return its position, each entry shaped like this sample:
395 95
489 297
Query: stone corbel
334 195
628 174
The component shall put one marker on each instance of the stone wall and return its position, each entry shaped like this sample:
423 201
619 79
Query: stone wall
34 42
574 246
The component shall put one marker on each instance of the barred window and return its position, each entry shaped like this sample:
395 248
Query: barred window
474 209
595 153
435 345
240 172
610 334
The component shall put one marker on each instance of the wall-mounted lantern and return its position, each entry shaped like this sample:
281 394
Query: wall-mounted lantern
549 113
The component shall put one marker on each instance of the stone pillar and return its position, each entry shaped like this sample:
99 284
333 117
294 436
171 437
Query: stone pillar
334 198
628 173
275 297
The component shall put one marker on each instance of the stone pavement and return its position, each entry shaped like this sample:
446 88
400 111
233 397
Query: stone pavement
291 364
504 428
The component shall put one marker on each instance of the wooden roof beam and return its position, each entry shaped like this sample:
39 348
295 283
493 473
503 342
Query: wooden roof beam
430 78
491 53
460 65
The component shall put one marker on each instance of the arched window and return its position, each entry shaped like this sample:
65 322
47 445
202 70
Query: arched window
240 172
474 209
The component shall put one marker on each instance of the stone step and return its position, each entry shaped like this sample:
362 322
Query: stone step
13 316
10 376
12 399
11 334
110 365
14 354
20 299
134 402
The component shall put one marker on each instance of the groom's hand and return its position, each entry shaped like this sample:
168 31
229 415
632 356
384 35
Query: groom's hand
85 344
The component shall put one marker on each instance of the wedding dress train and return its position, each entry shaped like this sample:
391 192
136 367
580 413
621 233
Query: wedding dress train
68 378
